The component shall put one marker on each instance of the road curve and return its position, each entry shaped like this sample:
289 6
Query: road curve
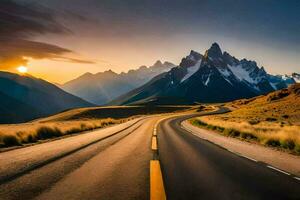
197 169
113 163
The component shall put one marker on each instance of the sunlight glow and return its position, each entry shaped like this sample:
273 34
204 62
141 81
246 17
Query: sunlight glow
22 69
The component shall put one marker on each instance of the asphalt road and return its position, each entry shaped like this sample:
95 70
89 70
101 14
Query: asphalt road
193 168
116 167
113 163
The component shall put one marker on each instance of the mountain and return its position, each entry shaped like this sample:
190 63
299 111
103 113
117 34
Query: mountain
283 81
296 77
103 87
23 98
215 76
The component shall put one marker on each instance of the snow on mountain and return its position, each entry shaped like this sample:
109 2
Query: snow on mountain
191 70
291 78
215 76
296 77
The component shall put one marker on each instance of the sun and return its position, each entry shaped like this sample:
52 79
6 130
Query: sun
22 69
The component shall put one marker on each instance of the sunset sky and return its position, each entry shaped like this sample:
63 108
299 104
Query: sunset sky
59 40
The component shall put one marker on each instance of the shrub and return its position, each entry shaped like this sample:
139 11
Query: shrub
288 144
220 129
272 142
232 132
199 123
10 140
248 136
45 132
253 122
285 116
30 139
73 130
271 119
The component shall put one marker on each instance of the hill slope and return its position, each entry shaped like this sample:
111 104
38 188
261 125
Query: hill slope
279 106
23 98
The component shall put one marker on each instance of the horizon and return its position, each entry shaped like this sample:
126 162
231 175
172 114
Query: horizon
60 41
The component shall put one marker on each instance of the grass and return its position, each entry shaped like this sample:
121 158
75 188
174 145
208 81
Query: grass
268 134
272 120
281 106
43 131
75 121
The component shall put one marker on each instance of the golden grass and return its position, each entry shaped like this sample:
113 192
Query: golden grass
272 120
282 106
265 133
18 134
75 121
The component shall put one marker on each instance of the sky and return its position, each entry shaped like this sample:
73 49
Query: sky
59 40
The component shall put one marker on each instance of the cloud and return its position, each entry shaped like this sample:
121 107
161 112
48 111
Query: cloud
19 23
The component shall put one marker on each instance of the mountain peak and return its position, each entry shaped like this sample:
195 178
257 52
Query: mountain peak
111 72
214 51
158 63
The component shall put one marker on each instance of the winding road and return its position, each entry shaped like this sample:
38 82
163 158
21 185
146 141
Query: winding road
113 163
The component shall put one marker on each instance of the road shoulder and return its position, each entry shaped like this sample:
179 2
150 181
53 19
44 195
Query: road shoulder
284 161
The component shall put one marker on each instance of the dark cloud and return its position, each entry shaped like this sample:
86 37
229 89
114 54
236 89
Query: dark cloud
19 22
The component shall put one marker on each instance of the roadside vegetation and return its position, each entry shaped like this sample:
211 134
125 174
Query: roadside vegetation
35 132
272 120
74 121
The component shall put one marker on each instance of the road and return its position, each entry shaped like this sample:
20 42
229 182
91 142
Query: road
193 168
113 163
115 167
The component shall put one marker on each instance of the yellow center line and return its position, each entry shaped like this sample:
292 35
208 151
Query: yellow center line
154 143
157 190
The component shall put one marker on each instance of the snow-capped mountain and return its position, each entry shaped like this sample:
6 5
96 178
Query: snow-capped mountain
290 78
296 77
215 76
103 87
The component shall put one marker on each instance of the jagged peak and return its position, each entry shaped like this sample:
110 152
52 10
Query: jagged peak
194 55
110 72
168 63
213 52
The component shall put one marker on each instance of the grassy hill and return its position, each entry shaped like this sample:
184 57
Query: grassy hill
281 106
272 119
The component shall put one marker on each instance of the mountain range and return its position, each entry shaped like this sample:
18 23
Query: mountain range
24 98
102 87
215 76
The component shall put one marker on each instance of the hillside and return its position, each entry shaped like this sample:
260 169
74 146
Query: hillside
102 87
215 76
23 98
271 120
280 106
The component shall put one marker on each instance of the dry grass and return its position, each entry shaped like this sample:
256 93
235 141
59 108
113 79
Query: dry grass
74 121
282 106
266 133
272 120
18 134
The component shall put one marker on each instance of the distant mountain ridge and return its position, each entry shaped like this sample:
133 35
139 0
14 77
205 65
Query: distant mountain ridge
215 76
24 98
102 87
